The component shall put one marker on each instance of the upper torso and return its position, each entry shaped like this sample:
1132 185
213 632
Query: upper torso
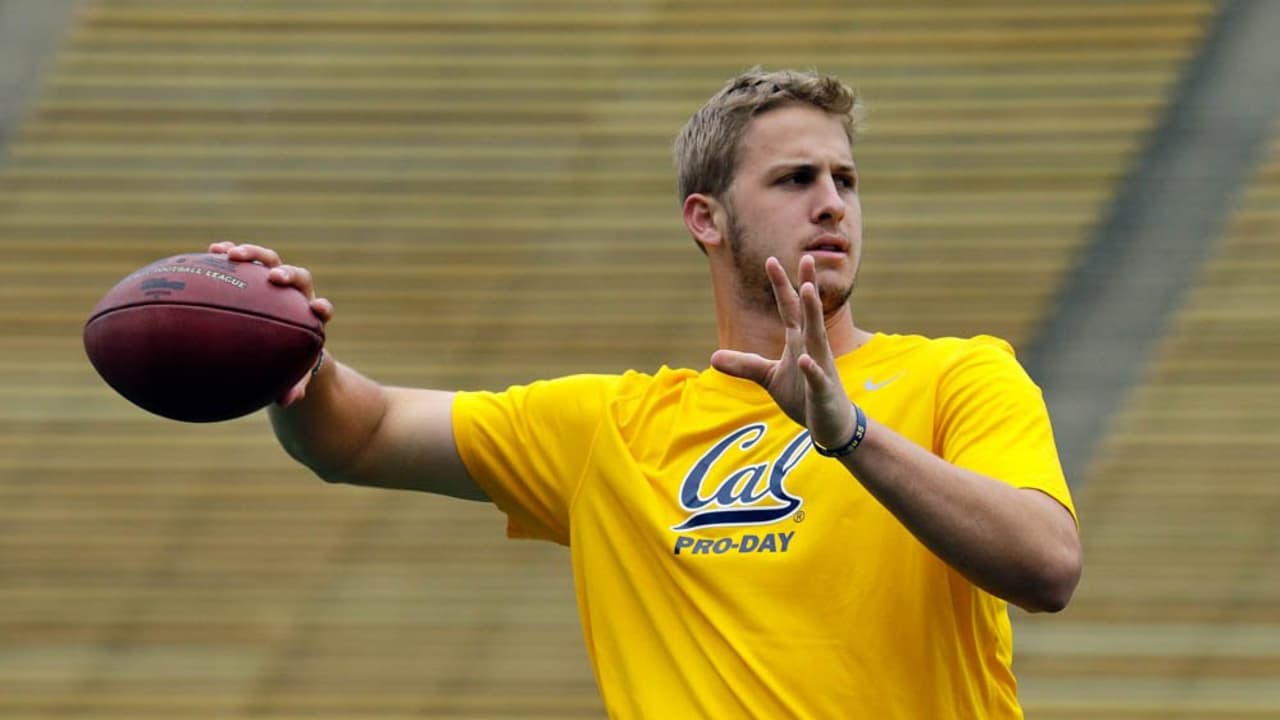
725 569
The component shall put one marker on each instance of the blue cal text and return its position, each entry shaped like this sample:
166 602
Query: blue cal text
746 543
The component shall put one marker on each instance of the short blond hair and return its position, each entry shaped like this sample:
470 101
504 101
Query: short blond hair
707 150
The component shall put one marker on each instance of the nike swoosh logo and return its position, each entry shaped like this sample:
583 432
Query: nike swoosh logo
871 385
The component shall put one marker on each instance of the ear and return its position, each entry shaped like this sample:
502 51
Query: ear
704 217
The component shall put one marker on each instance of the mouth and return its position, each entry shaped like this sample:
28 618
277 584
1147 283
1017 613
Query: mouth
828 244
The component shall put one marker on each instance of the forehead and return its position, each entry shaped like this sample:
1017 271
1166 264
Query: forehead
794 134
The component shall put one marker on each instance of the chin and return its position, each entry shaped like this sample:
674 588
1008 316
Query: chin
834 295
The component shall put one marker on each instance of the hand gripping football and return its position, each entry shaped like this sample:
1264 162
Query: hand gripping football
201 338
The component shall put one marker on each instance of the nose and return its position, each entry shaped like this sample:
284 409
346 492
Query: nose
830 204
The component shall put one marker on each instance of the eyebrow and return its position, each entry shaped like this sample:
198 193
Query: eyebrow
847 168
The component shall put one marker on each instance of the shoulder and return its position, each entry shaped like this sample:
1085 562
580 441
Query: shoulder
586 393
942 351
640 393
664 378
979 350
951 364
632 402
982 367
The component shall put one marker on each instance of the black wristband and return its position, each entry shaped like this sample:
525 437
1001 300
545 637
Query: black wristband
859 432
315 369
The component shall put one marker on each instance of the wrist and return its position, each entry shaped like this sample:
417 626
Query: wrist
855 437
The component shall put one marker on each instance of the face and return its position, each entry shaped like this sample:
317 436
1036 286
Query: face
795 194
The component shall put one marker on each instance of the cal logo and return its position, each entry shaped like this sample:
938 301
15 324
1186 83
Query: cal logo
718 494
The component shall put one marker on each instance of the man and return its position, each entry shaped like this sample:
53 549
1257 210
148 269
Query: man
826 523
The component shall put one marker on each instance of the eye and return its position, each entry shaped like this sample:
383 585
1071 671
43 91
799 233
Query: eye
800 177
848 182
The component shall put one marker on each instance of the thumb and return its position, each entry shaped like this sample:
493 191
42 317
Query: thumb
295 393
748 366
299 390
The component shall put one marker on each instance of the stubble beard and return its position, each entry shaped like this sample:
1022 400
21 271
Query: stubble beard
754 288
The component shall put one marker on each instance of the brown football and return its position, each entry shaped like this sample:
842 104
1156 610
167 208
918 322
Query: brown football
201 338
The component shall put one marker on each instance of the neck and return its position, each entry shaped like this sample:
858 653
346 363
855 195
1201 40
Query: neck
761 331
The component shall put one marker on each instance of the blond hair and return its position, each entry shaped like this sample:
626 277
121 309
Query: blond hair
707 149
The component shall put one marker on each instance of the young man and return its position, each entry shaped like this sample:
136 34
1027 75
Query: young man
826 523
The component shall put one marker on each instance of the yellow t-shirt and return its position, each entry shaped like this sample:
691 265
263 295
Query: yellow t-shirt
724 570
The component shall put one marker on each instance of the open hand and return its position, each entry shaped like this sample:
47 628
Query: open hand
803 381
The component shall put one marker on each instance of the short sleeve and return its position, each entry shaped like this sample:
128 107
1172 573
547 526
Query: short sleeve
992 419
527 446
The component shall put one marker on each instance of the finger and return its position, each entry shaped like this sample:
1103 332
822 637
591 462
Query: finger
815 328
298 277
295 393
280 274
254 253
808 270
783 293
748 366
815 375
322 308
301 278
830 412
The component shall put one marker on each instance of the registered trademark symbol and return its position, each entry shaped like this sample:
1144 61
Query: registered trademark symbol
800 516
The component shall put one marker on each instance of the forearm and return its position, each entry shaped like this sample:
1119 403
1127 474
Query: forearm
350 429
1018 544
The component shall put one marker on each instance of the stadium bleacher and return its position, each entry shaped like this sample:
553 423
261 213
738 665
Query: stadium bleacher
1177 615
487 196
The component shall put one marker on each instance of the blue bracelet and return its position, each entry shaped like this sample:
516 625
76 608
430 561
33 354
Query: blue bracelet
859 432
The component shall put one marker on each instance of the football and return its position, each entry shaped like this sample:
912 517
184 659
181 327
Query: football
200 338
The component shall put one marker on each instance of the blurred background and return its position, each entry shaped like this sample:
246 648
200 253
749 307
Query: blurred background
485 191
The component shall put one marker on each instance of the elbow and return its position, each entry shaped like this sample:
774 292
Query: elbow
329 474
331 478
1054 582
347 473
